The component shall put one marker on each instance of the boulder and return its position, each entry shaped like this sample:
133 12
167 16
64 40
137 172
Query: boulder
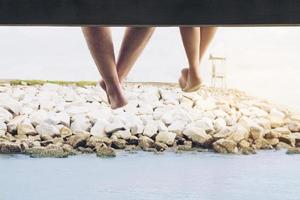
65 132
99 128
256 132
63 118
123 134
3 128
151 128
262 143
186 146
159 146
115 126
244 144
294 126
37 117
223 133
167 138
177 126
81 124
133 140
225 146
219 124
105 151
205 124
9 147
145 142
293 151
44 129
13 123
277 118
273 141
281 131
161 126
282 145
26 129
5 115
118 144
78 140
10 104
201 139
51 151
96 141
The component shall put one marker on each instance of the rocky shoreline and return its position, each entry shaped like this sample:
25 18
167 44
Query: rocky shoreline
52 120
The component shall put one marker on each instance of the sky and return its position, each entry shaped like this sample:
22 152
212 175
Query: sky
263 61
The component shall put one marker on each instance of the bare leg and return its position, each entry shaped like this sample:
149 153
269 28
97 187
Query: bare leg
134 42
206 36
101 47
191 41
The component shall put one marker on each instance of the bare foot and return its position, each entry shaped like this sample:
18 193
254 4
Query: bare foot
193 82
116 97
183 78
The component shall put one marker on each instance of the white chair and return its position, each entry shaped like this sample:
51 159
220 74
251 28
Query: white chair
218 74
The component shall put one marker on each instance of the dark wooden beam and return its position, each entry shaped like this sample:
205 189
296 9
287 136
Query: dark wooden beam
149 12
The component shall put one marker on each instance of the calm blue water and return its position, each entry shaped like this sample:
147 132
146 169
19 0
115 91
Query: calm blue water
208 176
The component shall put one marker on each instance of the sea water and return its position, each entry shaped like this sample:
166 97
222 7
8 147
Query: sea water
206 176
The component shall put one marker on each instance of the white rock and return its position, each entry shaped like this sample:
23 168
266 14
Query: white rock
162 127
239 134
177 126
207 104
246 122
200 138
47 129
256 112
145 109
137 128
276 114
123 134
208 114
175 114
63 118
205 124
190 130
146 118
114 126
5 115
219 124
227 131
10 104
166 137
294 126
3 128
77 109
263 122
99 128
26 110
158 113
101 113
151 128
38 117
13 123
26 128
80 124
220 113
256 132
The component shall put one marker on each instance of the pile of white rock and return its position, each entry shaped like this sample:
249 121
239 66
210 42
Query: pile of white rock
56 120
